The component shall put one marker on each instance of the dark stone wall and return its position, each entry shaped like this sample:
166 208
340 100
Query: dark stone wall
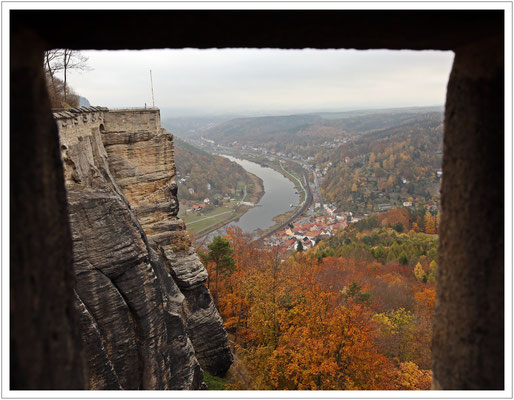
468 336
468 333
44 339
323 29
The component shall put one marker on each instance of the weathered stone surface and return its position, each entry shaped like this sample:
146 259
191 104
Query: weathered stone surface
134 120
45 347
143 166
186 267
180 377
203 322
139 330
101 371
468 336
131 311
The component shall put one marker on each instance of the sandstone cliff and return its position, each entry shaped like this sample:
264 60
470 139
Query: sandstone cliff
146 317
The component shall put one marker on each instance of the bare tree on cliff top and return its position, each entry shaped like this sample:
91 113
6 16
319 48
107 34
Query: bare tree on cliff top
57 60
52 65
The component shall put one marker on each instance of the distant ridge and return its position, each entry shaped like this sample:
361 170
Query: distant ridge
83 102
393 110
303 133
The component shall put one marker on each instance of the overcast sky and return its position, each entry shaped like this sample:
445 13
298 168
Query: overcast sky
192 81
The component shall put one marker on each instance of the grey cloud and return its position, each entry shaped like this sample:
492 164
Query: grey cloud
232 80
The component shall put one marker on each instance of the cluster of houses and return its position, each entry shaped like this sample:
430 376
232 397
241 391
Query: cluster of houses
431 208
182 180
323 171
330 209
200 207
309 231
335 143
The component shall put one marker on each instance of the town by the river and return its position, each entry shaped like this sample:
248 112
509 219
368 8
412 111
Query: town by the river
306 223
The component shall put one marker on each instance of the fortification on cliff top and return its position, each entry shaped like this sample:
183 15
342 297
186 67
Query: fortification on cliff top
147 320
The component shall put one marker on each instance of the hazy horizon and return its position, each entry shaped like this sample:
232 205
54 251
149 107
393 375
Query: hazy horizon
177 113
253 82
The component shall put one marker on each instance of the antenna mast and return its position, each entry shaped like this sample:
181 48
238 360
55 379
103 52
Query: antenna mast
151 83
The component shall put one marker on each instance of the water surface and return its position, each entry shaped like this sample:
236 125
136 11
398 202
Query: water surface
279 194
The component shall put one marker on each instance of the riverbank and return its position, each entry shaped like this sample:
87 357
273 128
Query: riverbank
301 209
284 219
222 216
281 188
289 175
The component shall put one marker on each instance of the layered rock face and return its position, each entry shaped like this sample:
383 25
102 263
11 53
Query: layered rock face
147 319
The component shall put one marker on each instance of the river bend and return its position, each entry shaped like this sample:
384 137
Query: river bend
279 194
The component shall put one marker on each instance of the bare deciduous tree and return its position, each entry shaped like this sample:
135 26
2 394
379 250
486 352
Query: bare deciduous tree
57 60
53 64
73 59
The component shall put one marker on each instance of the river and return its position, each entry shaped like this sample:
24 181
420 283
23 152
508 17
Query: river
279 194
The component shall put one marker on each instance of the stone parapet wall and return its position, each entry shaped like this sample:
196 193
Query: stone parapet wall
77 122
133 120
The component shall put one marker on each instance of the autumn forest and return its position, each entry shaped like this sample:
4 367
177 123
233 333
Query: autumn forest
353 313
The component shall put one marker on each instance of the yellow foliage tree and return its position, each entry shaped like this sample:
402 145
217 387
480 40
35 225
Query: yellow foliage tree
419 272
410 377
390 181
429 223
372 158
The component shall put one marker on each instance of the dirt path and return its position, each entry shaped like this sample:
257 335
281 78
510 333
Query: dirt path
212 216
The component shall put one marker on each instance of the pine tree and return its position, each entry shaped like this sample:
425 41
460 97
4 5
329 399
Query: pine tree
221 254
403 259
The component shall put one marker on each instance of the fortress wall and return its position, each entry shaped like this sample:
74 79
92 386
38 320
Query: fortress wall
130 120
78 122
137 279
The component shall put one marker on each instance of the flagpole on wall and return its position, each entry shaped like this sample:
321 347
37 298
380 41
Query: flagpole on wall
151 83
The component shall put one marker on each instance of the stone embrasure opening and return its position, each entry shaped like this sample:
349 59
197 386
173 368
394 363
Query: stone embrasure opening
468 337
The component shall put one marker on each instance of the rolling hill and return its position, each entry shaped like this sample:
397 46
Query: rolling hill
201 175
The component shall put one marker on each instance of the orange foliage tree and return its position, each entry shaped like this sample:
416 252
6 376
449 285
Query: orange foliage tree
331 323
394 217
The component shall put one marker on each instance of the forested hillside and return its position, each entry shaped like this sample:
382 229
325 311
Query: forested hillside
353 313
202 175
292 133
387 167
185 127
358 122
306 134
